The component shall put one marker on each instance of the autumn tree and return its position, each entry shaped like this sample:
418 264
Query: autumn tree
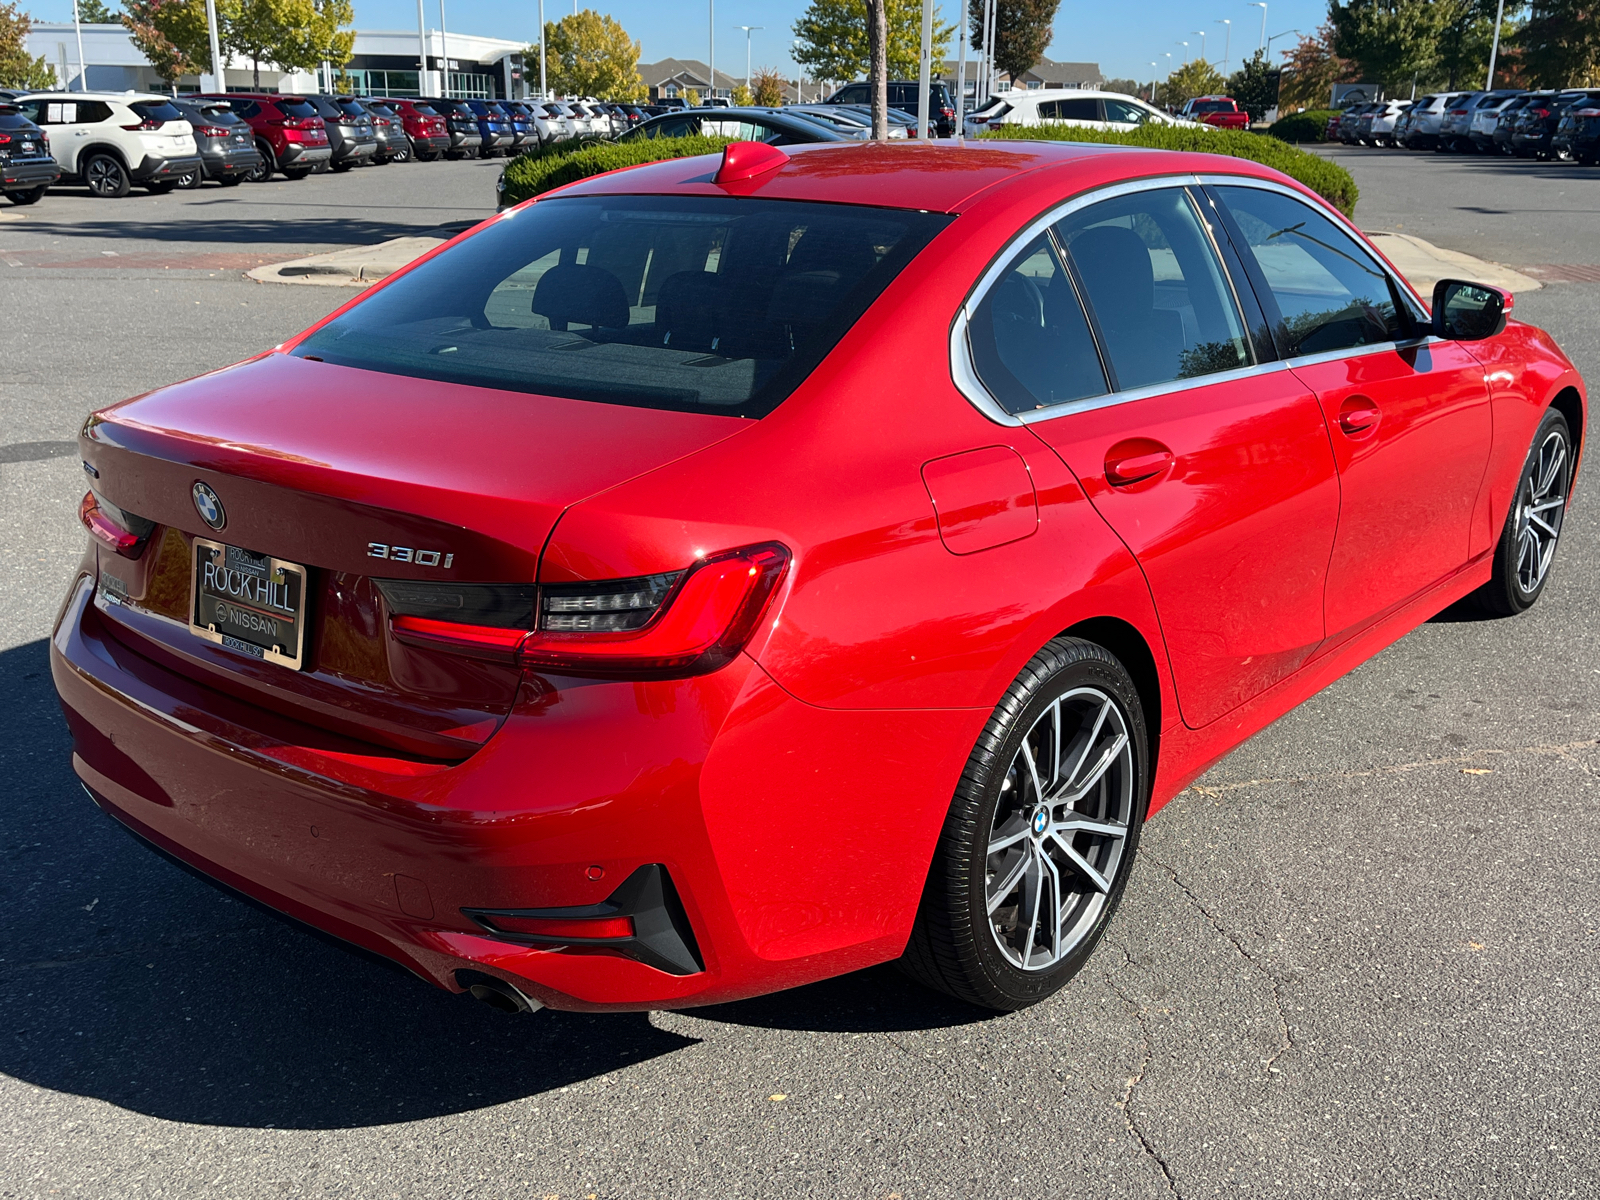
95 12
1561 44
833 39
1195 78
1022 29
294 35
691 97
742 96
769 85
18 68
588 54
147 22
1311 70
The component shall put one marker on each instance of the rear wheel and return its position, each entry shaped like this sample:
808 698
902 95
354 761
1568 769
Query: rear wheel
231 180
27 195
1527 547
1041 835
296 173
344 166
262 171
106 177
190 180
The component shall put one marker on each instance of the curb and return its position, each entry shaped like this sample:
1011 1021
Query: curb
1424 264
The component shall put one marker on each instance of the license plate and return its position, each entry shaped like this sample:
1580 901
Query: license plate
252 603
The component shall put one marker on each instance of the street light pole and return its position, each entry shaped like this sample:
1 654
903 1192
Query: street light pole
422 49
544 90
711 64
1201 34
83 71
1227 44
1261 4
1185 46
747 31
1494 50
1153 69
965 33
216 45
444 52
925 70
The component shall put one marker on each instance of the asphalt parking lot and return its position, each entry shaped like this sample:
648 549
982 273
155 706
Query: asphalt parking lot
1357 958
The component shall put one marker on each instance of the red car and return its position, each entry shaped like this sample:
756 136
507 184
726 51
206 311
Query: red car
429 135
715 576
290 135
1222 111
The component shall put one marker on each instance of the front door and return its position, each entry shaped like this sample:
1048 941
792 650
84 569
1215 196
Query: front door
1408 416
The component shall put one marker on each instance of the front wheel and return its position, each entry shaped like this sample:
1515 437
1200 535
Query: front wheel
106 177
1037 846
1527 546
27 195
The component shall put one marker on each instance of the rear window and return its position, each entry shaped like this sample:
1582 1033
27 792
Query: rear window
157 110
297 108
1213 106
854 94
350 108
425 110
678 302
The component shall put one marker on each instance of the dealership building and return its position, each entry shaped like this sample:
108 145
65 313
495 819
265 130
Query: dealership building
385 63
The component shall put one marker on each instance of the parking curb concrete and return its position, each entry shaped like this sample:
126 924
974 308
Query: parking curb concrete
355 267
1424 264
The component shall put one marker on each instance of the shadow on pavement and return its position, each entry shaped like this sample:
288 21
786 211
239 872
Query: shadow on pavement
245 232
877 1000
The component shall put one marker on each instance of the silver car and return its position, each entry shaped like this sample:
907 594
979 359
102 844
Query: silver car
1485 116
1427 115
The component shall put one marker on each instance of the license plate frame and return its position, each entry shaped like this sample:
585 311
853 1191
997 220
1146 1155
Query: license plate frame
242 622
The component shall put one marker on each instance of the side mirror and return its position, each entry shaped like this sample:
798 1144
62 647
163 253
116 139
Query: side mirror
1469 312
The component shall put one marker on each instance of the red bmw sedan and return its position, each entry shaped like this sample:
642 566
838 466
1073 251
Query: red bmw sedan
719 575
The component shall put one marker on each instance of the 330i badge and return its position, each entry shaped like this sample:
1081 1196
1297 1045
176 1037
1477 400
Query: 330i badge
779 634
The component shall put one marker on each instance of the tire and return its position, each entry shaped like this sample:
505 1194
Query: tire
1000 843
230 180
28 195
106 177
262 171
190 180
403 154
296 174
1532 532
342 167
161 188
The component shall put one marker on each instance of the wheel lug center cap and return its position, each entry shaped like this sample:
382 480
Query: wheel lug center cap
1040 821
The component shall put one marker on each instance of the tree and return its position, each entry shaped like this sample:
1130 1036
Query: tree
833 38
295 35
1311 71
1255 85
18 68
770 83
1127 87
146 21
1391 42
1022 29
94 12
691 98
1561 43
588 54
1194 78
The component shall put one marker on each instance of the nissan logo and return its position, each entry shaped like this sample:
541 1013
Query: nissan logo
208 506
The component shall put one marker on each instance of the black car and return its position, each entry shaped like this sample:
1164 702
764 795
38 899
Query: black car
465 136
26 168
351 136
1506 126
393 145
226 143
772 126
1578 133
903 95
1535 130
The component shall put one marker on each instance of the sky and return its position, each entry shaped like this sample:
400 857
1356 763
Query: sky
1124 38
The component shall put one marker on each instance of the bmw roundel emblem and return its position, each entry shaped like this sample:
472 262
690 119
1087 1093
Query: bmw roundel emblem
208 506
1041 822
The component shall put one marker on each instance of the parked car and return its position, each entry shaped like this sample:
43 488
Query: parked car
903 95
1505 123
855 120
388 127
524 127
466 138
1533 135
1578 135
424 127
1222 111
600 122
351 134
1456 122
496 133
291 136
1349 128
1485 117
1083 546
1402 126
1427 114
770 125
1571 102
111 141
1067 106
226 143
1382 124
27 169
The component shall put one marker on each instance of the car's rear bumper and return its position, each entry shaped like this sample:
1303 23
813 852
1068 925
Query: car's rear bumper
298 155
740 792
437 142
465 141
229 162
353 151
29 173
156 169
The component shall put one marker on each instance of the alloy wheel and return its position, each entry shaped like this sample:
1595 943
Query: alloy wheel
1541 505
106 177
1060 829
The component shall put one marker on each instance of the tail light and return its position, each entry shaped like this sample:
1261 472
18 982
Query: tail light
146 125
212 131
1540 113
117 530
4 138
302 123
685 623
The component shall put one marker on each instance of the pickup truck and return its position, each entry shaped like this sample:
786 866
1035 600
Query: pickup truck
1221 111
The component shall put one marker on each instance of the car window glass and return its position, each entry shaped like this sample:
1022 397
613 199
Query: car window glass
1030 342
1157 290
297 108
1082 108
1124 113
157 110
692 303
1330 293
673 127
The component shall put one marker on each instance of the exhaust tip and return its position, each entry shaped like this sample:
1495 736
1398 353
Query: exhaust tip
497 993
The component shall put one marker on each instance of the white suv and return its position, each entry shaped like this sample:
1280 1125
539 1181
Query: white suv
110 141
1068 106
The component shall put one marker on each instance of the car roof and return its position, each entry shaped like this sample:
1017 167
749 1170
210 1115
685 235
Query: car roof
931 176
117 97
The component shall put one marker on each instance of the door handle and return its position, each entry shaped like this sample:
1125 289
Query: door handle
1358 416
1136 460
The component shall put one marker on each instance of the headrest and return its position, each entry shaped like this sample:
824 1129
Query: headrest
583 295
1115 265
688 308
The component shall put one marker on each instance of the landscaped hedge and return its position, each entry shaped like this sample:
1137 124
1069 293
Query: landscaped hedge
1329 180
1311 126
566 162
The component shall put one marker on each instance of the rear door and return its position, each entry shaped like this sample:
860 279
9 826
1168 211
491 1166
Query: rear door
1210 461
1408 415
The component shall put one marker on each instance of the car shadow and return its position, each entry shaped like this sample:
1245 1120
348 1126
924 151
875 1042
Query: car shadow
128 980
244 231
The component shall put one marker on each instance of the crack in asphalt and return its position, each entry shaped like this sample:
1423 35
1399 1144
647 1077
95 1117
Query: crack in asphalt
135 952
1564 751
1135 1129
1285 1032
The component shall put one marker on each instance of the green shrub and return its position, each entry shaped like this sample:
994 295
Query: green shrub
552 166
1329 180
1310 126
